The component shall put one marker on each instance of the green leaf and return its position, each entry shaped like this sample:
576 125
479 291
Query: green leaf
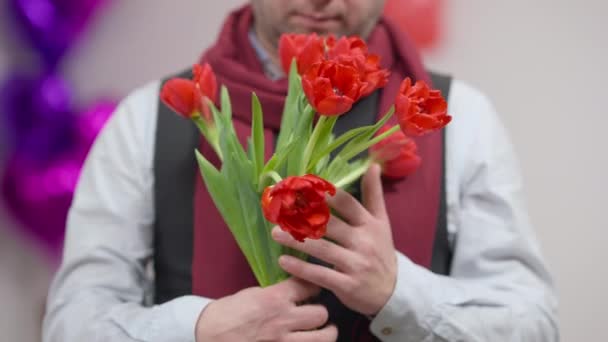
355 170
251 155
311 143
291 108
336 143
264 248
277 161
257 132
360 143
222 192
228 141
325 135
324 161
239 178
225 101
217 118
301 136
336 168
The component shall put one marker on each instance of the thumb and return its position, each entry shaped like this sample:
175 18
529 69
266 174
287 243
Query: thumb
372 193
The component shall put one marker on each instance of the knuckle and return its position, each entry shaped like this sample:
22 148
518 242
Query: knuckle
323 247
364 265
350 240
352 286
276 301
365 246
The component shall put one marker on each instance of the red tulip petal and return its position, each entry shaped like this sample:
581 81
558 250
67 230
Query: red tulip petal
287 51
179 95
273 210
334 105
318 218
208 82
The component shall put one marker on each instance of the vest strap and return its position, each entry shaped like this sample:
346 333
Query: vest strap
174 184
442 251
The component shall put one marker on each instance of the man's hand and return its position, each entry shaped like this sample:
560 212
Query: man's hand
269 314
363 255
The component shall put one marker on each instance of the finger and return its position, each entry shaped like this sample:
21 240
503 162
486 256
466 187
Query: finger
348 207
339 231
321 249
319 275
372 193
296 290
307 317
327 334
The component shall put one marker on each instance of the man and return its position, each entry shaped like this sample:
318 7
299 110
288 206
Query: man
385 284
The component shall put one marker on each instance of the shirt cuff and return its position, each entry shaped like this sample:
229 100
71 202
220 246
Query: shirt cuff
186 316
411 310
174 320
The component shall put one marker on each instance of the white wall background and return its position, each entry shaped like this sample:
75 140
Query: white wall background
542 62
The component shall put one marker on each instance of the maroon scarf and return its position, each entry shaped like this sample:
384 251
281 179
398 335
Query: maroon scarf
218 267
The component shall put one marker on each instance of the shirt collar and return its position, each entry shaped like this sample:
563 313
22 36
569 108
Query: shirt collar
270 69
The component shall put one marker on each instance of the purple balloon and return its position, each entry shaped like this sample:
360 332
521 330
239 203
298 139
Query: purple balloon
49 140
52 26
91 121
39 196
39 120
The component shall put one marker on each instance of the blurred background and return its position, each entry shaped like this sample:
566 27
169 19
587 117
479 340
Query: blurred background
542 62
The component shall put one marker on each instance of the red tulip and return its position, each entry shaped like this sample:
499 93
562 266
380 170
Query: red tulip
188 98
368 66
420 110
298 206
345 46
332 87
307 49
181 96
206 84
397 154
353 51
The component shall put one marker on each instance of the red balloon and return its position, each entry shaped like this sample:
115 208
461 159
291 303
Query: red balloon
420 18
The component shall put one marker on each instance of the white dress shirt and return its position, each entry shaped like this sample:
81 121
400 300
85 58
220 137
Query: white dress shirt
499 288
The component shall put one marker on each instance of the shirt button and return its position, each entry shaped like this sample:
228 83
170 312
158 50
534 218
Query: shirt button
387 331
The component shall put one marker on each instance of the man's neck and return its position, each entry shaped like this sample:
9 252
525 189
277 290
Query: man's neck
270 47
267 54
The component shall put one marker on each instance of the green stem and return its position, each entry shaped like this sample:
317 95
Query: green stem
355 151
211 134
353 175
310 146
273 175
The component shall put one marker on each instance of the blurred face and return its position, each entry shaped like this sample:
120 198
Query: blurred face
340 17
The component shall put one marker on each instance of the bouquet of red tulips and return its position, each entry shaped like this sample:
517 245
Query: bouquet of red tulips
326 77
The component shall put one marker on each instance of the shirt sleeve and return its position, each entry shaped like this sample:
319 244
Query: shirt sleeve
103 288
499 288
